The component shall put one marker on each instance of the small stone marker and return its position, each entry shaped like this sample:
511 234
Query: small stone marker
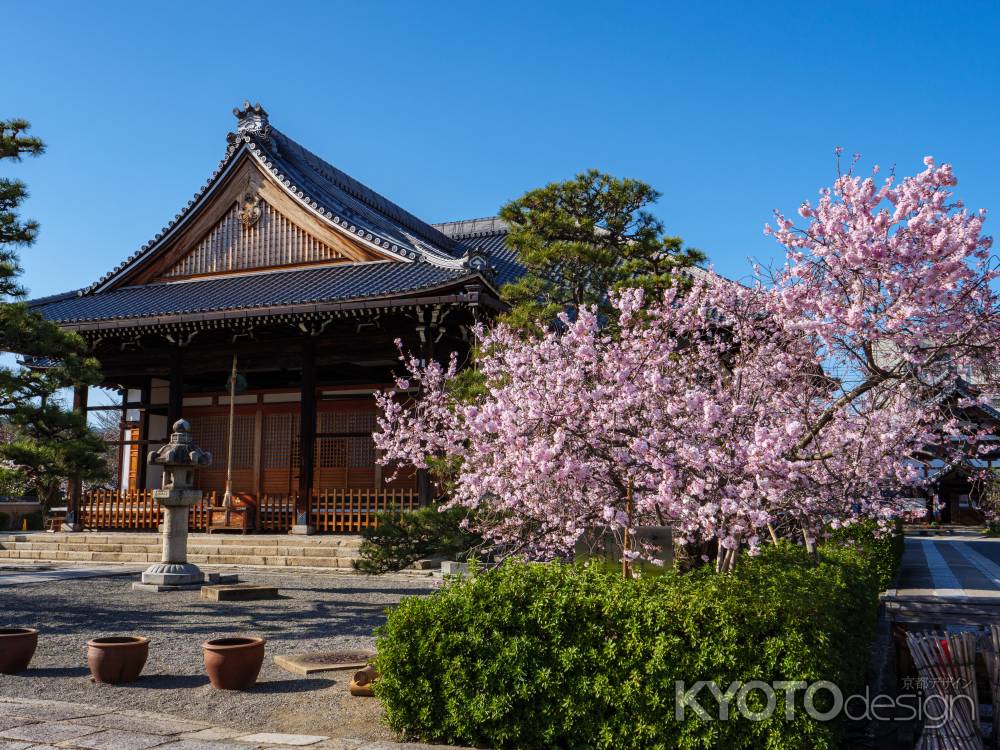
217 578
239 592
323 661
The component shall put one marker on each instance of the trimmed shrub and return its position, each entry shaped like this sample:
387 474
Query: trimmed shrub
568 656
880 549
400 539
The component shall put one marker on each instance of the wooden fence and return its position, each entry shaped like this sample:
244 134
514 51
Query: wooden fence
352 510
135 509
331 511
275 512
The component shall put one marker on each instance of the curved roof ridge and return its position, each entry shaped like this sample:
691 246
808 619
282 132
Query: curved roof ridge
357 189
468 228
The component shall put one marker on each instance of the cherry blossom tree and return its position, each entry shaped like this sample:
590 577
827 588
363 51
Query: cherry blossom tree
723 410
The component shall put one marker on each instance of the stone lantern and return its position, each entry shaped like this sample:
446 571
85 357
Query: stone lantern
179 458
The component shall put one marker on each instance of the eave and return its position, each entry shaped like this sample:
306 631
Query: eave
475 292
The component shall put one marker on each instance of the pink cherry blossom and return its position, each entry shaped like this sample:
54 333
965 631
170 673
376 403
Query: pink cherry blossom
726 411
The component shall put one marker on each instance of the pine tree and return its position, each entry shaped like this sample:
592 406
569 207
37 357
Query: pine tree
44 443
584 238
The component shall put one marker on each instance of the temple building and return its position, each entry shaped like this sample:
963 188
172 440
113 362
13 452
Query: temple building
307 277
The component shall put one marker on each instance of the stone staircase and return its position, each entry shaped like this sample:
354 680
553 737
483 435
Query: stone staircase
266 550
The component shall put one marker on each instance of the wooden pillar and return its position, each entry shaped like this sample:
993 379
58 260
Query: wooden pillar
145 398
427 333
175 401
74 488
307 438
122 422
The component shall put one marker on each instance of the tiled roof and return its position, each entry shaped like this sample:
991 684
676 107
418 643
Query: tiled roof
336 197
490 236
259 290
422 256
353 201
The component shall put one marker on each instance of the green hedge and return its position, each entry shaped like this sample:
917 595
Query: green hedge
563 656
884 551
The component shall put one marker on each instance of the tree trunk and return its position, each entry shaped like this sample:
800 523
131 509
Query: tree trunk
810 541
626 567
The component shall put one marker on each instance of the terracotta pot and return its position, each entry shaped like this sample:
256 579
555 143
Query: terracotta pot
117 659
233 663
17 646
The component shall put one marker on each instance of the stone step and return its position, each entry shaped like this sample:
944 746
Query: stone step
121 538
277 561
193 550
81 547
280 560
272 562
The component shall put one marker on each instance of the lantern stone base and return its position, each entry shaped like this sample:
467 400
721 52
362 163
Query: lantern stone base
173 574
161 588
158 582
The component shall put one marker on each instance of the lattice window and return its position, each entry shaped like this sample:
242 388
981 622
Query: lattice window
331 452
362 453
211 434
272 241
280 433
353 452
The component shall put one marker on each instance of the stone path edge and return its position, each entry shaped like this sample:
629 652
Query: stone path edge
32 724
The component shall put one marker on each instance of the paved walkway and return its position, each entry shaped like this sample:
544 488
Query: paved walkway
47 725
947 581
951 567
14 575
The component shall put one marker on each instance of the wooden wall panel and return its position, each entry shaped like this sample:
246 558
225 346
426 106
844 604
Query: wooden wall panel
342 462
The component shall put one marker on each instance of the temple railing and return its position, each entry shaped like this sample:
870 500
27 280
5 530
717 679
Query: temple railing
348 511
134 509
331 511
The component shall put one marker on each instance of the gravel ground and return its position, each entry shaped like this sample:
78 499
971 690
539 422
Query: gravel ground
315 613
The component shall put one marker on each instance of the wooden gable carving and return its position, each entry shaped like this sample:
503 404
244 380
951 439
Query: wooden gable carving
250 224
240 243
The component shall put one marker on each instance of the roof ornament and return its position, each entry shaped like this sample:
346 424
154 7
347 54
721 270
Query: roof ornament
250 209
478 260
251 120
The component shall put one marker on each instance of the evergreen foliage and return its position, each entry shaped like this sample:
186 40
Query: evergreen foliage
44 443
583 238
400 539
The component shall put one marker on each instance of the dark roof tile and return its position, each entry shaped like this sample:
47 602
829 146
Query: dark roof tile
250 291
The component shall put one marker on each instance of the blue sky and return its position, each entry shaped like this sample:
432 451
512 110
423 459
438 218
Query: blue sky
451 109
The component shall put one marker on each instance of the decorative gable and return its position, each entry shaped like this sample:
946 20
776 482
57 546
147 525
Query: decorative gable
248 223
273 204
253 234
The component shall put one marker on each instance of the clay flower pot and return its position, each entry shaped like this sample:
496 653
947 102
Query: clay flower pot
17 646
117 659
233 663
